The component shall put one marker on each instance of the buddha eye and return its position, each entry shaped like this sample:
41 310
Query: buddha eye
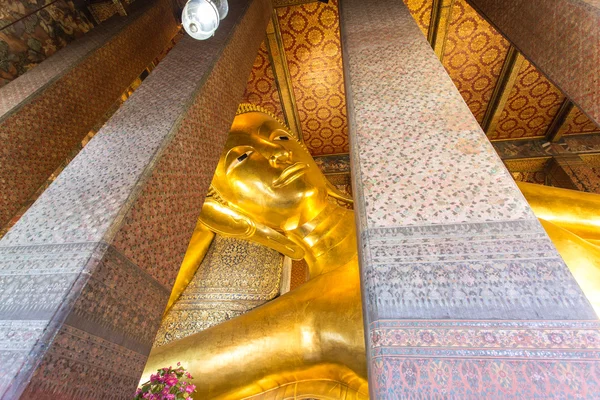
281 137
239 159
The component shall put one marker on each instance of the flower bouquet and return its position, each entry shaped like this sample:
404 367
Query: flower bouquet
167 384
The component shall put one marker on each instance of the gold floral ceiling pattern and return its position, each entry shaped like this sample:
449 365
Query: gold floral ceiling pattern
311 38
421 12
262 89
473 56
577 122
532 105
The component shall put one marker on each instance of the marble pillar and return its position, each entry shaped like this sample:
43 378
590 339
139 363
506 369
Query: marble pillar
560 37
45 113
464 295
85 274
570 171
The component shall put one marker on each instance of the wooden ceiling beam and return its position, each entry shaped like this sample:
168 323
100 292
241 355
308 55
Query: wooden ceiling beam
532 148
288 3
441 14
554 133
282 76
508 76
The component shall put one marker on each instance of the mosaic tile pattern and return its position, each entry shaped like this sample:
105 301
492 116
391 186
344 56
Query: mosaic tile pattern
473 56
559 37
311 39
262 88
33 30
531 106
444 234
460 175
234 277
489 359
87 355
46 113
501 270
110 233
577 122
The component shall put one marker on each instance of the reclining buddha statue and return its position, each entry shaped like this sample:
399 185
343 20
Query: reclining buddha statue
308 343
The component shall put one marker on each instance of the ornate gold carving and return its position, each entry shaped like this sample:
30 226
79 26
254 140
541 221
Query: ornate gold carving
234 277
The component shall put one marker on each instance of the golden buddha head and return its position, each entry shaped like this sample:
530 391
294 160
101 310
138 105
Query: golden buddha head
267 174
265 181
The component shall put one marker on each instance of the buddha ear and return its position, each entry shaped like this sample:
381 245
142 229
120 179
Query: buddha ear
229 222
337 194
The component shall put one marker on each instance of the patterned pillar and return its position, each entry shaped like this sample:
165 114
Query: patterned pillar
45 113
86 272
561 37
464 295
570 171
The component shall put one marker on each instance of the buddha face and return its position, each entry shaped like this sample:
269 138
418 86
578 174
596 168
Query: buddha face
266 174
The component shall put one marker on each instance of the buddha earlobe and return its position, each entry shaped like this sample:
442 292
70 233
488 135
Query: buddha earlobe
228 222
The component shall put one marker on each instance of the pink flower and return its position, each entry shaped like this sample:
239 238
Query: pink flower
189 375
170 397
171 380
190 388
178 364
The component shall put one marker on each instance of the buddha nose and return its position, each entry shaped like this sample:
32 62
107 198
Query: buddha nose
280 156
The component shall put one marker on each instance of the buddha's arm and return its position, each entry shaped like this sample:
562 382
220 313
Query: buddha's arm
577 212
314 332
582 258
572 221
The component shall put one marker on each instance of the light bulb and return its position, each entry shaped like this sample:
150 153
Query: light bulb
222 7
200 18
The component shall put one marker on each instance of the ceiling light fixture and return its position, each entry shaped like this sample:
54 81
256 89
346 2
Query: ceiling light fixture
201 18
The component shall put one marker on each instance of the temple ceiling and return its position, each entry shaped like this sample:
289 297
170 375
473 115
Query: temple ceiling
509 96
